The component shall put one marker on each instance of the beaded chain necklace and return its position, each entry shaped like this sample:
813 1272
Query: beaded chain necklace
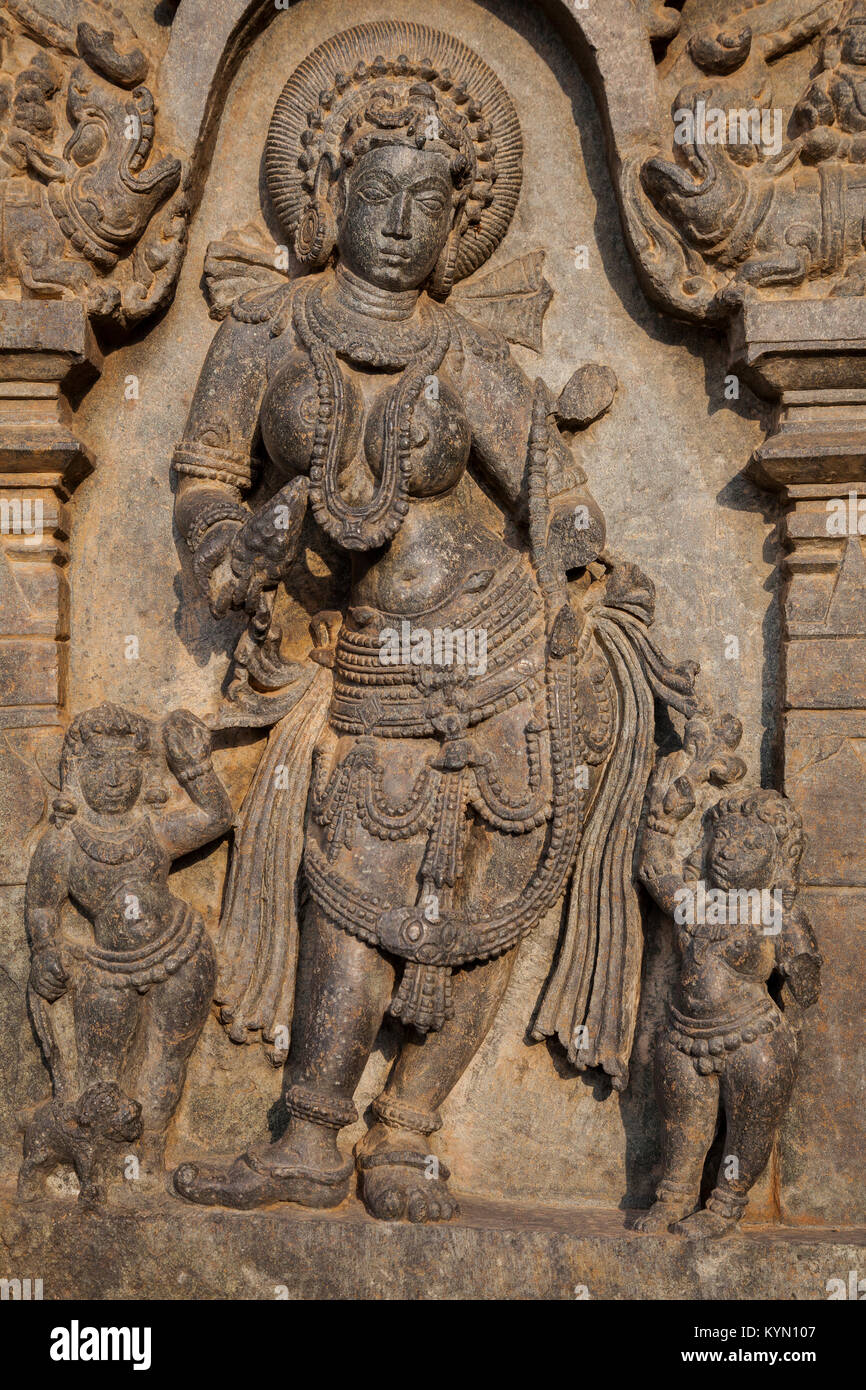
416 348
106 847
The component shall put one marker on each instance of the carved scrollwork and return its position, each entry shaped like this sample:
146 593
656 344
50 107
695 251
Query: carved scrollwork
756 184
91 209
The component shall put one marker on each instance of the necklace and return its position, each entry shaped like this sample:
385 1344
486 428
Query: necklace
370 525
368 325
108 848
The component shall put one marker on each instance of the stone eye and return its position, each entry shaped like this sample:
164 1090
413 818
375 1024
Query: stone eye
88 144
374 191
431 203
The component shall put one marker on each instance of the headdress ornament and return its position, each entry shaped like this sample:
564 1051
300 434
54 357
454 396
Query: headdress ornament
395 81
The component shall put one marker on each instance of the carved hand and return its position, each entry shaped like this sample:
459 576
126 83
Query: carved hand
264 548
187 741
47 974
212 566
576 533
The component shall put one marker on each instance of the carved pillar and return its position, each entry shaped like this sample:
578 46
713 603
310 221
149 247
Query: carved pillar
44 348
810 357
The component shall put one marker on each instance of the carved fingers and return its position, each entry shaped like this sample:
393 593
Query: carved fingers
186 740
48 975
212 565
264 548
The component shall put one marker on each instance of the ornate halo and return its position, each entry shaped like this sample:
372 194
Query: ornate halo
324 95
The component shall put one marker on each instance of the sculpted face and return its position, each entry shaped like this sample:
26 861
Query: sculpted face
110 774
854 45
742 853
397 209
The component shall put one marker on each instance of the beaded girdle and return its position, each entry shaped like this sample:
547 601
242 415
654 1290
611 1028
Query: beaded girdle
402 700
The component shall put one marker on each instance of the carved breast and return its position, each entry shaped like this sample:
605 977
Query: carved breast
440 438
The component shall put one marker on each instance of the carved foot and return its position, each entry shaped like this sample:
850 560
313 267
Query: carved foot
249 1183
706 1225
660 1217
405 1185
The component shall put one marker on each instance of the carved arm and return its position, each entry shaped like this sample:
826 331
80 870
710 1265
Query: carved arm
187 743
497 397
47 890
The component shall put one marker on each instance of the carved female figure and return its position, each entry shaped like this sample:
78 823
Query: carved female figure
444 808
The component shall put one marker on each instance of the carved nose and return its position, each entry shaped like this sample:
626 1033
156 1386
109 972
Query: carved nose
398 224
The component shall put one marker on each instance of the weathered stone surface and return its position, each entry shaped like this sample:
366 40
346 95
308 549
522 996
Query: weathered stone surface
492 1251
144 191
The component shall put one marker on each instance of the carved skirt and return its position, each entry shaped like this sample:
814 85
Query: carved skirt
444 810
432 787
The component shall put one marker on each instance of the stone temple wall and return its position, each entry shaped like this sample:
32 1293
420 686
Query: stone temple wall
737 416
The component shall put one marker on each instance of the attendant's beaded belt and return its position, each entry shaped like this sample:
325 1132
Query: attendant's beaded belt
709 1041
146 965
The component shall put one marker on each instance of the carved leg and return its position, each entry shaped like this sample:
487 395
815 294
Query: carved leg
39 1163
425 1072
175 1013
91 1182
105 1024
780 267
689 1106
756 1087
343 990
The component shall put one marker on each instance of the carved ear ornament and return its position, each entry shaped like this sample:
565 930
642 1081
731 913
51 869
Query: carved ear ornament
316 232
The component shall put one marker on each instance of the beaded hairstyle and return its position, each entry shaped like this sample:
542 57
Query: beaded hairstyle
773 809
109 720
395 82
104 720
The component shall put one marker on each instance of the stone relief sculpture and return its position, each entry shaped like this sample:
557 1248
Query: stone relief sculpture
140 986
761 192
441 804
88 1135
86 212
727 1042
456 672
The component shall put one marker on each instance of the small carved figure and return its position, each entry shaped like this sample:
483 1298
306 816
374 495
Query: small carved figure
727 1042
760 212
68 219
141 989
95 29
81 1133
832 111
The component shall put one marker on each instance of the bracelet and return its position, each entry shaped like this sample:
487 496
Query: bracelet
189 774
659 826
209 516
